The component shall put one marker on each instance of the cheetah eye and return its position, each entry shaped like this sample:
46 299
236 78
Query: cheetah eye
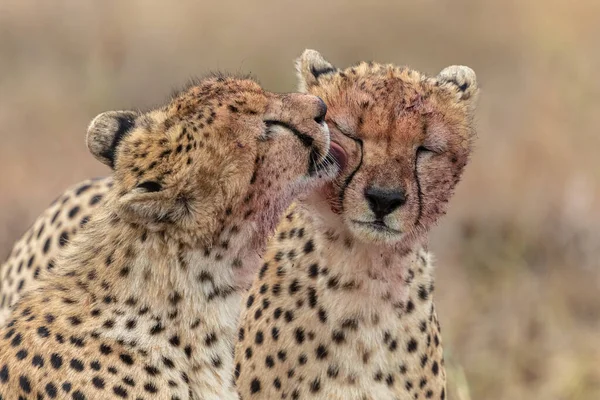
150 186
425 150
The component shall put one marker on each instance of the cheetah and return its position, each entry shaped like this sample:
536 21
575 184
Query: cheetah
144 301
35 252
342 307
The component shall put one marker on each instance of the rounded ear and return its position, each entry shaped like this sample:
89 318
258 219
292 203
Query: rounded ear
310 66
461 79
105 133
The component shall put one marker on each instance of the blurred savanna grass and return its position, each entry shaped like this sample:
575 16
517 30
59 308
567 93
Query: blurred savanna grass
518 274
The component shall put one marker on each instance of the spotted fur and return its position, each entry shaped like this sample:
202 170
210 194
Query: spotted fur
342 307
144 301
374 315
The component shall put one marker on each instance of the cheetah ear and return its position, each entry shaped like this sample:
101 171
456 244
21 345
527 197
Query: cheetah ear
461 80
310 67
105 133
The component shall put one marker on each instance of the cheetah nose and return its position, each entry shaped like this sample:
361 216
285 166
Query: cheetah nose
384 201
321 111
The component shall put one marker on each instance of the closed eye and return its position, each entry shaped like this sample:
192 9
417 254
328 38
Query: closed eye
425 150
304 138
344 132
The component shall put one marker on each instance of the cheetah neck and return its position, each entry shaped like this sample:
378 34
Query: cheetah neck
365 314
379 272
151 289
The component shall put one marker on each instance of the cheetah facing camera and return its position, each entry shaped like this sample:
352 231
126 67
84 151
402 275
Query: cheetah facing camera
342 307
144 302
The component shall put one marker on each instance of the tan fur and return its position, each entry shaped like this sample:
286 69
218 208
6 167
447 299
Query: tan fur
36 251
145 300
344 310
378 280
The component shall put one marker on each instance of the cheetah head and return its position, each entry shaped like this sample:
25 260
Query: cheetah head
222 150
404 138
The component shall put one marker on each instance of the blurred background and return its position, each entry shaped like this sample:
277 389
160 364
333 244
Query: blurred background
518 256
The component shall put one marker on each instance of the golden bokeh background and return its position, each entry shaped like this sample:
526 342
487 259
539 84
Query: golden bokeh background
518 256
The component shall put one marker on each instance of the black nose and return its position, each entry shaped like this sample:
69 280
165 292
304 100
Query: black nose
384 201
321 111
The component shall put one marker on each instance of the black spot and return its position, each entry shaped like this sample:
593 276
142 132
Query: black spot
46 246
259 338
289 316
120 391
76 364
315 386
126 358
56 361
51 390
95 199
412 345
150 388
105 349
156 329
312 297
25 384
168 362
73 211
151 370
43 332
98 382
338 336
4 375
322 315
269 362
423 294
216 362
309 247
210 339
37 361
282 355
254 386
63 239
299 335
294 286
321 352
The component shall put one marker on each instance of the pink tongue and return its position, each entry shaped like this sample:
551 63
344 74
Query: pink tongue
338 154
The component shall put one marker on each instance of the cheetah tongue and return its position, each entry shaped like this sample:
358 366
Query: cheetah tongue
339 154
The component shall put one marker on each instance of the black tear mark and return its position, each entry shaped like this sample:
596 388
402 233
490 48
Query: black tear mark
351 176
419 193
321 71
125 125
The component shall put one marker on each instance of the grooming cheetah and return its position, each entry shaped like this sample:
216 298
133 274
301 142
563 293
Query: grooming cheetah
35 252
144 302
342 307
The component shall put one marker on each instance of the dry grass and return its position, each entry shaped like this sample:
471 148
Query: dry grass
519 270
